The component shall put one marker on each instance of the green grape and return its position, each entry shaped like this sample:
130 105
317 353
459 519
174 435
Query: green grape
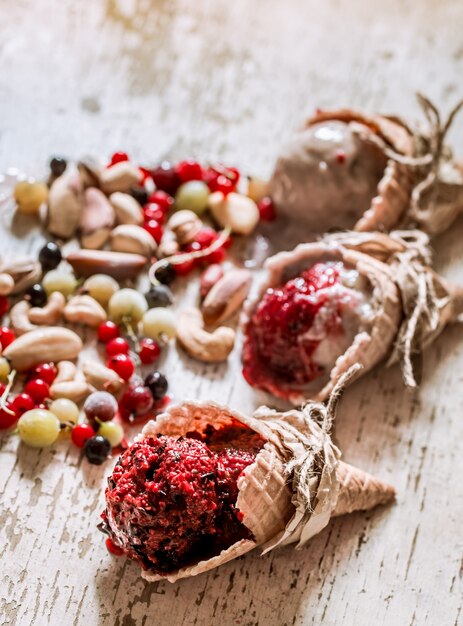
65 410
5 369
127 303
38 428
57 280
193 196
159 321
113 432
101 287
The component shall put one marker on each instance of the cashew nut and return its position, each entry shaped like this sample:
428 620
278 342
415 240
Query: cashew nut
84 310
200 344
66 371
101 377
6 284
19 318
75 390
50 313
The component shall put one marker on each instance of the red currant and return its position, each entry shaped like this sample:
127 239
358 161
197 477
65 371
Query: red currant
80 433
38 390
162 198
136 401
118 345
150 351
182 269
216 256
155 230
22 403
45 371
144 175
108 331
154 211
6 336
2 389
4 305
189 170
113 548
165 177
119 157
122 364
266 209
8 419
205 237
223 184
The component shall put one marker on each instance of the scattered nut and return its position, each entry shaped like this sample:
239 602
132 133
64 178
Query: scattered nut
185 225
66 371
65 206
257 189
6 284
84 310
19 318
97 219
89 171
119 177
209 278
75 390
101 377
238 212
169 244
134 239
200 344
24 272
51 343
126 208
226 296
50 313
119 265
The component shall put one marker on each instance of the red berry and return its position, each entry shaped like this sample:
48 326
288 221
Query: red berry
340 156
2 389
7 419
136 401
154 211
155 230
80 433
118 345
108 331
38 389
216 256
122 364
144 175
118 157
189 170
22 403
266 209
162 198
165 177
4 305
45 371
150 351
182 269
113 548
223 184
6 336
205 236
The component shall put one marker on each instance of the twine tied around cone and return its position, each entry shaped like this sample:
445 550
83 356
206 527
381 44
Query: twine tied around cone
303 438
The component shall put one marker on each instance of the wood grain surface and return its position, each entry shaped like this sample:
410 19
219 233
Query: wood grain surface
213 79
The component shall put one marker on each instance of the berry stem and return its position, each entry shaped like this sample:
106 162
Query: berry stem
6 393
188 256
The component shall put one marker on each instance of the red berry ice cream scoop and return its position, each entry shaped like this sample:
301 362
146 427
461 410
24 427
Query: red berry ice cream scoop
349 298
216 484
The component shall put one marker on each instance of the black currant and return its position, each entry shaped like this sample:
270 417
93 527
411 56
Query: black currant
50 256
97 449
140 194
157 384
159 295
58 165
165 273
37 295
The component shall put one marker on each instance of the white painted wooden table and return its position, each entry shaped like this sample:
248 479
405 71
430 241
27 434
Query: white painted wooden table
232 79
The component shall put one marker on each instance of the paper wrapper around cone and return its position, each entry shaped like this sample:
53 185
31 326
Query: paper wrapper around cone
368 348
293 488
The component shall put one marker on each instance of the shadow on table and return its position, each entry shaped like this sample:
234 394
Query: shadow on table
245 592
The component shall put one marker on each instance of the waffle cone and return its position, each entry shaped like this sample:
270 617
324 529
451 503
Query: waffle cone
269 497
